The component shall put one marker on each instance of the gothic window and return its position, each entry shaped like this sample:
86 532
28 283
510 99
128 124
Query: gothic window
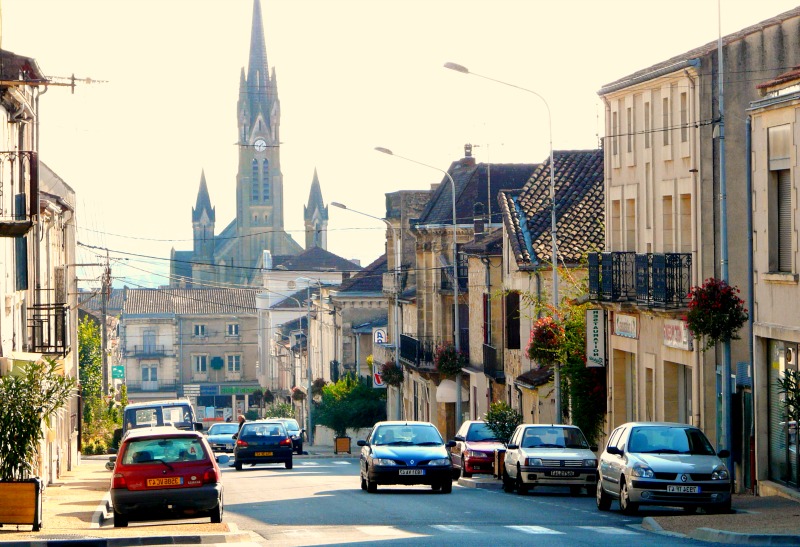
265 180
254 181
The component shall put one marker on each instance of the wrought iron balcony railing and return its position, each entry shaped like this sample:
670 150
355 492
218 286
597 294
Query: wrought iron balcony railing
49 328
447 279
417 352
148 351
491 367
152 385
655 280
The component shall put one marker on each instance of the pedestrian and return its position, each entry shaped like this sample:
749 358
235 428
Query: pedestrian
241 423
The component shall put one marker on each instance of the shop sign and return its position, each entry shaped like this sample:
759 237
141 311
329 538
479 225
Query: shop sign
626 325
208 390
595 338
677 334
379 336
238 390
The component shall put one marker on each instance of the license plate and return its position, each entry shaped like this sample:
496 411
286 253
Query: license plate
412 471
562 473
258 454
165 481
680 489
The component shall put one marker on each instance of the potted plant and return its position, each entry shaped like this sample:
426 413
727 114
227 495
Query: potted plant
448 361
29 397
546 344
502 420
391 374
350 403
715 312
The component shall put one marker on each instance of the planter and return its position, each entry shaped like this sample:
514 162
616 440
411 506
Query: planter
341 445
21 503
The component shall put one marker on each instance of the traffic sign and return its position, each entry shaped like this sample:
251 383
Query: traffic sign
118 372
377 379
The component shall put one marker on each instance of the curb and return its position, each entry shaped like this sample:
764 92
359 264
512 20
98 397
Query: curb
485 484
736 538
200 539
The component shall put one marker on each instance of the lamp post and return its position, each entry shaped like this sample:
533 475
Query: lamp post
396 334
309 404
457 334
554 241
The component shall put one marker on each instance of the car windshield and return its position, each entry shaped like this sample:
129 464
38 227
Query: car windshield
406 435
481 432
274 429
291 425
180 416
169 450
223 429
669 440
553 437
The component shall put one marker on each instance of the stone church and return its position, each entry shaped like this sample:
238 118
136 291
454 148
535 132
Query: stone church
234 256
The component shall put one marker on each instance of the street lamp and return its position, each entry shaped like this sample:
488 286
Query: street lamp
465 70
457 334
396 334
309 404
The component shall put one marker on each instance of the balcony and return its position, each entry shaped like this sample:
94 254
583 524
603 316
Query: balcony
447 279
653 280
152 385
49 328
148 351
417 352
491 367
389 287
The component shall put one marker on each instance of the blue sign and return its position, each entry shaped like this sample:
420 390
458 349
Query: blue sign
208 390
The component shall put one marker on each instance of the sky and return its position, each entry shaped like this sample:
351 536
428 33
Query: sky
352 75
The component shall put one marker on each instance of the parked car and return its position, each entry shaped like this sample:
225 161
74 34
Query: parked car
667 464
549 455
405 453
263 441
165 473
295 432
474 449
220 436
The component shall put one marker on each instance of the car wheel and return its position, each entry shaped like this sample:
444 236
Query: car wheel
237 466
288 463
216 513
575 490
436 487
447 487
508 484
521 487
689 509
363 484
625 504
464 472
603 499
371 486
120 520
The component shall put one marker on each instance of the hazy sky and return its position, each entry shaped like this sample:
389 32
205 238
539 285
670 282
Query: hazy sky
352 75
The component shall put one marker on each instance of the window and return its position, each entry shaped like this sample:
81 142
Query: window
685 223
149 373
616 225
265 180
684 117
630 225
614 133
233 329
779 199
647 125
630 129
512 320
199 330
200 364
667 227
254 181
486 320
234 363
665 120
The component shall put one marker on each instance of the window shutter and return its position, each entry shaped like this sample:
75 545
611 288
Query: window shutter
784 221
60 284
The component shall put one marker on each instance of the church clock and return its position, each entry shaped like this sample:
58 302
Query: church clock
260 145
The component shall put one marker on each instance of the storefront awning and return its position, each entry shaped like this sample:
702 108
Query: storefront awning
21 358
446 392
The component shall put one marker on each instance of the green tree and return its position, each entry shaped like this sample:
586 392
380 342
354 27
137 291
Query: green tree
350 403
502 420
90 359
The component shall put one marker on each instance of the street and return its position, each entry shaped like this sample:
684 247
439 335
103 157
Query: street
319 502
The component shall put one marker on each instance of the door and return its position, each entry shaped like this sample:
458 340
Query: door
149 377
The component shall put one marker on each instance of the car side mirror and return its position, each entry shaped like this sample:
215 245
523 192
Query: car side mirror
614 450
459 437
724 454
198 426
361 443
450 444
512 446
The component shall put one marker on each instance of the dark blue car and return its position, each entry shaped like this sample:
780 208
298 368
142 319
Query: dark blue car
405 453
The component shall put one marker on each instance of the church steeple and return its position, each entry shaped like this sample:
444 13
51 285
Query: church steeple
203 219
315 215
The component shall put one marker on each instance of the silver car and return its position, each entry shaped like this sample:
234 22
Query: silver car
666 464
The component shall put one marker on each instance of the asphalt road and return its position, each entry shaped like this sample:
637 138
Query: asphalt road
319 502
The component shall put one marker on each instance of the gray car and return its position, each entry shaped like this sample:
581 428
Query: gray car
665 464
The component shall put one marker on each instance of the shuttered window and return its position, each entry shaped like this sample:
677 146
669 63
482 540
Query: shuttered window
512 321
784 221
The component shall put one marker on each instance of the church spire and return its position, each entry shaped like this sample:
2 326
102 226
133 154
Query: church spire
315 215
203 201
259 86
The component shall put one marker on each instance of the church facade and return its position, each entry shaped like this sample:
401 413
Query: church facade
234 256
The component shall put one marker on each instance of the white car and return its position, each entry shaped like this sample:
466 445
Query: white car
549 455
661 463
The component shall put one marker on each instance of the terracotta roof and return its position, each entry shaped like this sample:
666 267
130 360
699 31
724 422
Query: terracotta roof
315 259
189 301
788 76
368 280
579 211
535 378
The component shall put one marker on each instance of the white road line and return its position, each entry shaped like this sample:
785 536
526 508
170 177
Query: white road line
610 530
378 530
534 530
309 464
342 463
457 528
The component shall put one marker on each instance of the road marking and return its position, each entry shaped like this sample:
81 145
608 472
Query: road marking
610 530
378 530
310 464
534 530
457 528
343 463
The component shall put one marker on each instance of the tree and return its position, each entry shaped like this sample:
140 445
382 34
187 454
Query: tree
502 420
350 403
90 359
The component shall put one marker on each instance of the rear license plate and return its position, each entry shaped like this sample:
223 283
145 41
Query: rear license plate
680 489
259 454
562 473
412 471
165 481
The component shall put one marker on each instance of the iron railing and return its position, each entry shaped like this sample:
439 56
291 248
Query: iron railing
654 280
49 328
154 385
148 351
417 352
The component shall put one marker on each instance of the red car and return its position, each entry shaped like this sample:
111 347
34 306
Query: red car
165 473
474 449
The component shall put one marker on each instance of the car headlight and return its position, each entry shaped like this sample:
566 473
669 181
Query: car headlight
535 462
472 454
641 470
383 461
720 473
590 463
440 461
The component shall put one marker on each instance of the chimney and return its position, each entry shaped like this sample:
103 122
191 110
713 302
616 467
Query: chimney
468 160
479 221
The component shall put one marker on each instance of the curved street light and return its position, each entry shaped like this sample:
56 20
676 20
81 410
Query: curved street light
457 333
554 240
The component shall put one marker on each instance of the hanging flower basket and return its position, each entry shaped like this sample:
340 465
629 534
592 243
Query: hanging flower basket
448 361
391 374
547 341
715 312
